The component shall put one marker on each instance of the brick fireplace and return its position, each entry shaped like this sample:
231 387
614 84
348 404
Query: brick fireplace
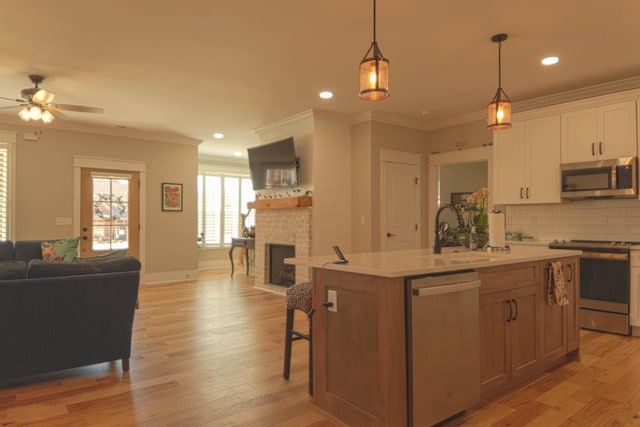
285 226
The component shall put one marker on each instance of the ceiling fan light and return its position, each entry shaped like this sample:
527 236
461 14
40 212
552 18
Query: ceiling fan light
47 117
43 96
35 113
24 114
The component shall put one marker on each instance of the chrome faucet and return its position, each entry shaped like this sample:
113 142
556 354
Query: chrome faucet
439 240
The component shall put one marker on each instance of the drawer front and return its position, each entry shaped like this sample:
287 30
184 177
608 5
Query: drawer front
496 279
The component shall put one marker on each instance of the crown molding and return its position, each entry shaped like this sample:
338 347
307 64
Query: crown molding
287 121
392 119
607 88
102 130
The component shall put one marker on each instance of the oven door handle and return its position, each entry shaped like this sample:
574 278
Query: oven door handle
605 255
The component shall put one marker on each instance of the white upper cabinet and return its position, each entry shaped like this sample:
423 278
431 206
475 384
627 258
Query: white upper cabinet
603 132
526 162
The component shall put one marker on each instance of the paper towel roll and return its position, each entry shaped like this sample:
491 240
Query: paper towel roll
496 229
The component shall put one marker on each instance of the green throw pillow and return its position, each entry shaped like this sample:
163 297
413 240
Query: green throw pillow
120 253
60 250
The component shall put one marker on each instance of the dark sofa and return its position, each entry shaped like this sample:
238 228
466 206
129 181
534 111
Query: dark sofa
62 315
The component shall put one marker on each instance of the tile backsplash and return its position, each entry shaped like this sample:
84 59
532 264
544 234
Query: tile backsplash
612 220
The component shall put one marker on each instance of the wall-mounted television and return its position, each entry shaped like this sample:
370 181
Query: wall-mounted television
273 165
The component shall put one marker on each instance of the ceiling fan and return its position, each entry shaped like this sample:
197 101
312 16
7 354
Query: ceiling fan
37 103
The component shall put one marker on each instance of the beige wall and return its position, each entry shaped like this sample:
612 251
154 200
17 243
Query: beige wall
399 138
361 198
44 182
331 220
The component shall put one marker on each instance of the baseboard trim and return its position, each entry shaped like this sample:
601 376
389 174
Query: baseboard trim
170 277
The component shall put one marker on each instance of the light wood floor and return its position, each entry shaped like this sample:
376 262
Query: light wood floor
209 353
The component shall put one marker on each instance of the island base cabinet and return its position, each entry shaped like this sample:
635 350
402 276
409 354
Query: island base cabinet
359 350
521 335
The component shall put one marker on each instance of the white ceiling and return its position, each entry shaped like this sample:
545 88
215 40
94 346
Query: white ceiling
181 70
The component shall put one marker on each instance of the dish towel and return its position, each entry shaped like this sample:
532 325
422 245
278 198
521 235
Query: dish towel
556 289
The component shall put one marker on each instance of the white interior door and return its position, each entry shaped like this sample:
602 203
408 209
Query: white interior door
400 206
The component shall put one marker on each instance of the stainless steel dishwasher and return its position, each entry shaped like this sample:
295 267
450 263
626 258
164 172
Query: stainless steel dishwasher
443 346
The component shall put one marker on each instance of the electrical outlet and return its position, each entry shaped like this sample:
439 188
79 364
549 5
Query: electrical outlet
332 296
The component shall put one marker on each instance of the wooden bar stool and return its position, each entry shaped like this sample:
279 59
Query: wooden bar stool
298 298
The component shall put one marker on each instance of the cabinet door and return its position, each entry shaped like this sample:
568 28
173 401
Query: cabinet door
617 130
508 161
572 275
495 357
525 332
542 160
579 134
554 322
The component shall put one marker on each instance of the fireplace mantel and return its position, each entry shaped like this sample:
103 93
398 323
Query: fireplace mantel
281 203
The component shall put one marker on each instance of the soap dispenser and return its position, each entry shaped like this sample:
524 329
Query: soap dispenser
473 239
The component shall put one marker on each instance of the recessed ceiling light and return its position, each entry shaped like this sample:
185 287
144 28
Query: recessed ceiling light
237 154
550 60
325 94
218 135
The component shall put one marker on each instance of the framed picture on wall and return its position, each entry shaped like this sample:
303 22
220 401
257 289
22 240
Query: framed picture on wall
460 199
171 197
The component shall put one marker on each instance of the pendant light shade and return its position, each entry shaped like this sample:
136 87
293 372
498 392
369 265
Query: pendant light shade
499 109
374 70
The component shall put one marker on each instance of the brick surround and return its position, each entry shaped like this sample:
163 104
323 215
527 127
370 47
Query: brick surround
285 227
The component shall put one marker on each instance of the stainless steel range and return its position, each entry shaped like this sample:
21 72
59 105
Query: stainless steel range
604 284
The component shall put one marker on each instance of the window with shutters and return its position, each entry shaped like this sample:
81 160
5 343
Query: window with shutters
222 199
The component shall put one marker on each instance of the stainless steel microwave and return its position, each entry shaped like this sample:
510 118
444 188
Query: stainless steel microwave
615 178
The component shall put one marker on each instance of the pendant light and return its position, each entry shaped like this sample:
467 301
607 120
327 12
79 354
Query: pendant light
374 70
500 107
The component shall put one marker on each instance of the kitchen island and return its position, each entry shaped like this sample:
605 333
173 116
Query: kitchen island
363 350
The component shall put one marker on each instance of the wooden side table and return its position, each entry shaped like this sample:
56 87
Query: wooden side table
241 242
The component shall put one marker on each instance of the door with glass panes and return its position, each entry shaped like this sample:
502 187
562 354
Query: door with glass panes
109 212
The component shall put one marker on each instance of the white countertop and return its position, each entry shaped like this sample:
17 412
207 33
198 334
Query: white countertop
423 261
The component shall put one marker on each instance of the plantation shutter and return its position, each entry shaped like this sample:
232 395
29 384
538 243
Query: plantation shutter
231 208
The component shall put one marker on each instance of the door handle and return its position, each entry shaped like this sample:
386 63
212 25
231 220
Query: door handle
521 192
390 235
600 147
510 310
516 304
593 148
527 193
570 279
